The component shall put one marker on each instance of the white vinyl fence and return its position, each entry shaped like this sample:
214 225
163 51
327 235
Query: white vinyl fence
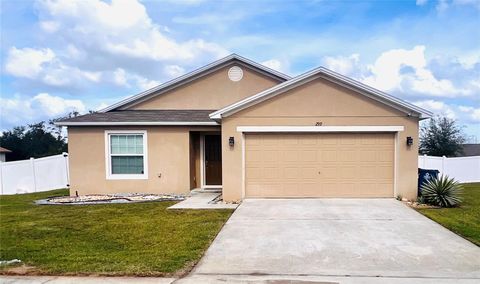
34 175
463 169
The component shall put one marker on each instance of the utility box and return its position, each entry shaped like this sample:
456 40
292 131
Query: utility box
425 175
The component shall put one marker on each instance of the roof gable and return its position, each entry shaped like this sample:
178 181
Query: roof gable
196 74
319 98
329 75
214 91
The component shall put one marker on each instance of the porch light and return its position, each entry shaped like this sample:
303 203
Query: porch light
231 141
409 141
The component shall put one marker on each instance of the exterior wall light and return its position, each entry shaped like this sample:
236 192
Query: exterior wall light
231 141
409 141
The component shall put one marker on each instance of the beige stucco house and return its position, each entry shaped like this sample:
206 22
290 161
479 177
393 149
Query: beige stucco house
253 132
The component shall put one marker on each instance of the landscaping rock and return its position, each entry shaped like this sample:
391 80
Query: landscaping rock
9 262
109 198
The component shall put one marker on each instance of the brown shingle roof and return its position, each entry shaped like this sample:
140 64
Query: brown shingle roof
141 116
4 150
470 150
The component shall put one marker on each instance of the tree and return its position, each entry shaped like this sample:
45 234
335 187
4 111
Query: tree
441 137
35 140
32 141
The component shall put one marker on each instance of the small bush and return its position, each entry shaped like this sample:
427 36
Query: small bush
421 200
442 191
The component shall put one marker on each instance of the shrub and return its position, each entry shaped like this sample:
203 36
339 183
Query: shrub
442 191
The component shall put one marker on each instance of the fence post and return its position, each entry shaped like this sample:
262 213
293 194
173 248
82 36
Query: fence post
1 179
32 163
67 174
424 160
444 159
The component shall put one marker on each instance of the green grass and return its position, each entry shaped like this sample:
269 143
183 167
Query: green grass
463 220
115 239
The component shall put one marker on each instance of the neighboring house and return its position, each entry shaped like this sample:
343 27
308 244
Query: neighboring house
470 150
3 152
252 131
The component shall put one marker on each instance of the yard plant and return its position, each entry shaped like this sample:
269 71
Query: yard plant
463 220
142 239
442 191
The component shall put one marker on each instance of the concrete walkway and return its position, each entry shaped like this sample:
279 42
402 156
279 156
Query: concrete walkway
337 240
202 200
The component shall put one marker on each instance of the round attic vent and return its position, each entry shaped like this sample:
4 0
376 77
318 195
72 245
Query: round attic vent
235 73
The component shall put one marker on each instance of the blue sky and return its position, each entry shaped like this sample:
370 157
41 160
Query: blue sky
57 56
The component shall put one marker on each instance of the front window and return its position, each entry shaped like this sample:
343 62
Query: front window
126 155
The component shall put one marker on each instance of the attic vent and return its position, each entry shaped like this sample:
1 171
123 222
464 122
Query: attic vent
235 73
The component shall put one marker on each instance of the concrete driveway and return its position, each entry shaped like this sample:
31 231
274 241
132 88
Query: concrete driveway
331 239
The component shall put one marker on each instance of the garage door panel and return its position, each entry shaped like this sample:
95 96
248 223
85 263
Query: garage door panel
253 173
384 172
328 155
346 155
309 173
319 165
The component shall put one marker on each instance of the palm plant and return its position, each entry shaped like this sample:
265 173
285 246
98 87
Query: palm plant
442 191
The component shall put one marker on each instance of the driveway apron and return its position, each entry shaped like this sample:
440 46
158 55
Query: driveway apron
337 237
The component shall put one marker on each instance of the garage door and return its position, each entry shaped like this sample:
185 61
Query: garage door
319 165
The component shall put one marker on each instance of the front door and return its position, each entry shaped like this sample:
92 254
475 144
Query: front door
213 160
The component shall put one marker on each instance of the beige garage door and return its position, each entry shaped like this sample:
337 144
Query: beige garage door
319 165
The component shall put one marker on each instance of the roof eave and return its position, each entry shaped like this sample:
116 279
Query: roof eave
137 123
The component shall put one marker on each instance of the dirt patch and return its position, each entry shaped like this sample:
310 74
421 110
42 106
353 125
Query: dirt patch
21 269
417 205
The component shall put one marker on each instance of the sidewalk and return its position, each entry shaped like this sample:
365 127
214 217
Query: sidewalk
71 280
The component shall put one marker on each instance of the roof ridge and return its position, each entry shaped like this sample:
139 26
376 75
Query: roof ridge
193 74
379 95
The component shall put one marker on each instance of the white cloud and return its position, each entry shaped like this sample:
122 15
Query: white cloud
123 78
27 62
474 3
434 84
123 27
120 77
20 110
49 26
466 114
53 105
101 106
443 5
466 108
105 39
44 66
174 71
404 72
437 107
274 64
475 115
421 2
145 84
342 64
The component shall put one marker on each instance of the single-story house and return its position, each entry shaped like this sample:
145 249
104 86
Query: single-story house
469 150
3 152
253 132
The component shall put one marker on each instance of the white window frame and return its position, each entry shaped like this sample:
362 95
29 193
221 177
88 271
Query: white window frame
108 155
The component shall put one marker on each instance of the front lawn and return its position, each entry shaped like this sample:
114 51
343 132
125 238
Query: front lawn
114 239
464 220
